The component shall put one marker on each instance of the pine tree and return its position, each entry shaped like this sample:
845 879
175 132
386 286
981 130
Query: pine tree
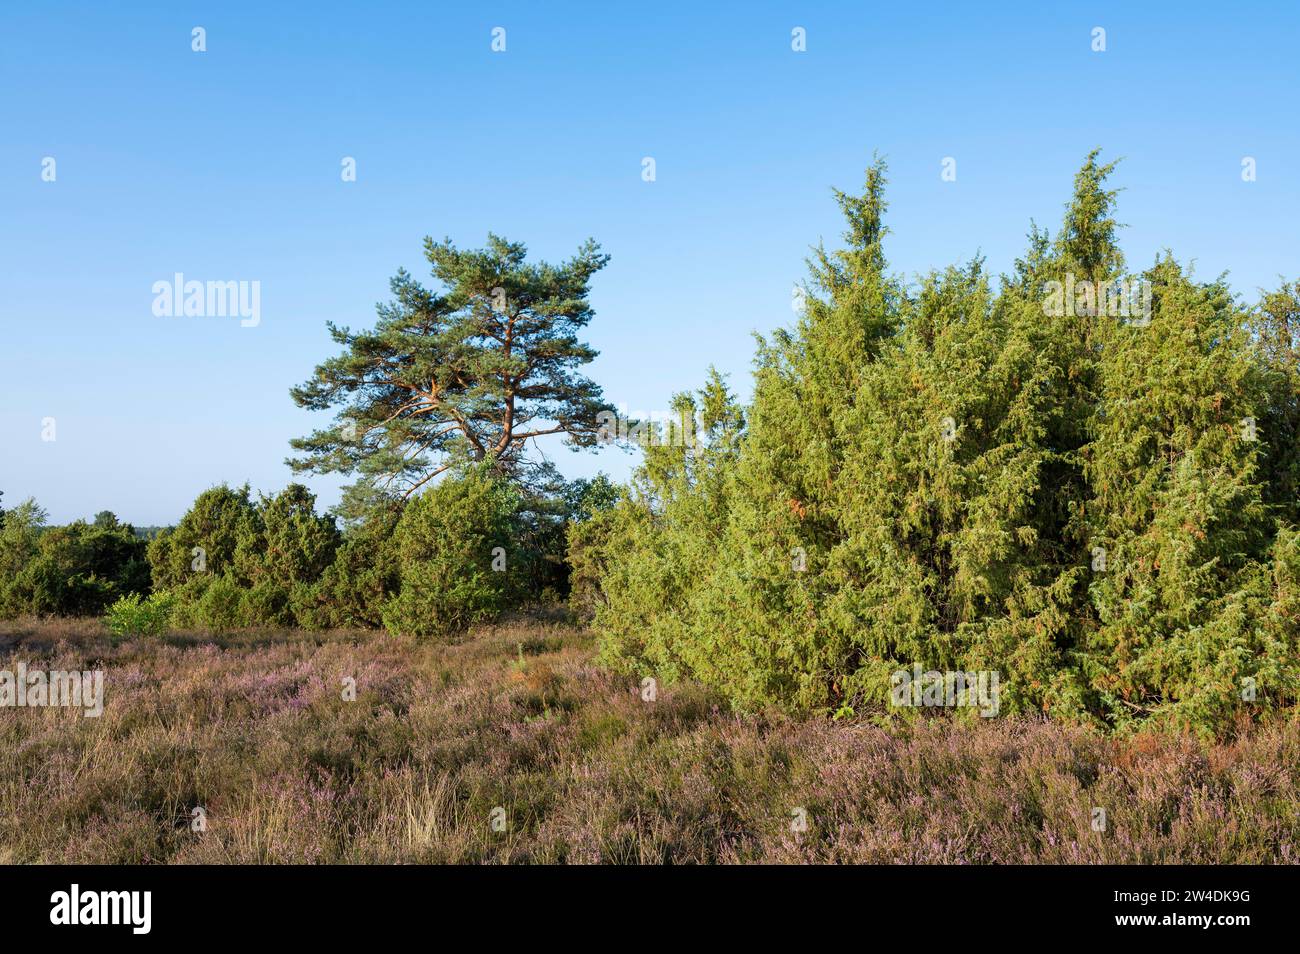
470 374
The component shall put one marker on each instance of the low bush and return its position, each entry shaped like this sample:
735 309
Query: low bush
236 561
73 570
457 550
134 615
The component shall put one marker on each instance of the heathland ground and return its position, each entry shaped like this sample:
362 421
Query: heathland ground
510 745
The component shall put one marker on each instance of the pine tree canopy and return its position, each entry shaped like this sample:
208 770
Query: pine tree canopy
471 372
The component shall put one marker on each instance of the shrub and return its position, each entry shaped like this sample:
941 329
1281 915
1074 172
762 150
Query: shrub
221 522
219 606
456 548
265 603
292 548
588 560
262 551
355 586
657 547
207 601
77 569
133 615
1093 504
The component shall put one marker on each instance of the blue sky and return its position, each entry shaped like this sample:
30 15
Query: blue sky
225 165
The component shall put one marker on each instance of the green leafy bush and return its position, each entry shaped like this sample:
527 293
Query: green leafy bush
219 608
73 570
355 587
234 561
223 521
657 547
133 615
456 547
588 559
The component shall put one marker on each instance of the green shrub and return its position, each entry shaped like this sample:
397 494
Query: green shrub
1092 504
73 570
263 552
265 603
206 601
456 549
591 510
20 533
653 552
292 547
219 607
133 615
355 587
588 559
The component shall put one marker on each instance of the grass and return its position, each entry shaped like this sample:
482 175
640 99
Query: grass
515 724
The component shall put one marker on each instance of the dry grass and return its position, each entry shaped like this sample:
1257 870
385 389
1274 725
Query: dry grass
253 728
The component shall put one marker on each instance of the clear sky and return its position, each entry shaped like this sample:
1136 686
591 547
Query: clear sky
225 166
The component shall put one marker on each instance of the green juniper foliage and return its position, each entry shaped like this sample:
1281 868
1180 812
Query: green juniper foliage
71 570
1275 325
234 561
639 564
133 615
365 573
591 506
1081 478
429 567
20 534
456 546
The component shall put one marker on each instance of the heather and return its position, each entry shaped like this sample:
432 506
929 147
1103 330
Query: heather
253 727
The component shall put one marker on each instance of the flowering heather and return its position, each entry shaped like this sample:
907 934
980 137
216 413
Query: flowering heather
254 729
